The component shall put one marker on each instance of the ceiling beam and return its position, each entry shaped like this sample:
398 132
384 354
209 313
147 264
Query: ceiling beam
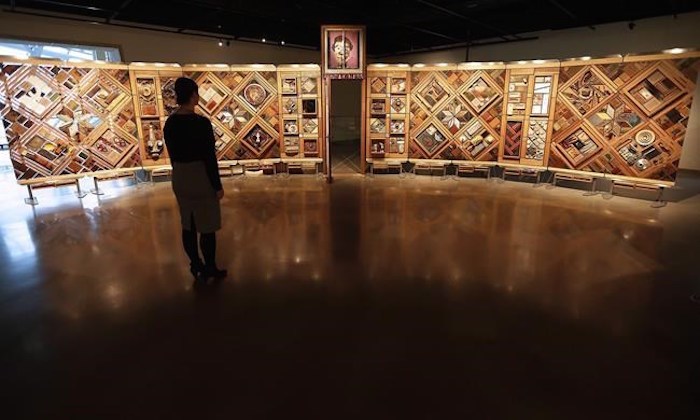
568 12
73 5
451 47
145 27
370 21
121 8
502 34
562 8
429 32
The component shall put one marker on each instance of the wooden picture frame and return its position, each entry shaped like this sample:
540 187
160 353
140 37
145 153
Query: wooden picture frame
343 53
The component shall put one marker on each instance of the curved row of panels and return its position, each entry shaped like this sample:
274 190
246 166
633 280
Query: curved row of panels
622 115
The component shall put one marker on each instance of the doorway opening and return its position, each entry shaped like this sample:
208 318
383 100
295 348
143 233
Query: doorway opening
345 126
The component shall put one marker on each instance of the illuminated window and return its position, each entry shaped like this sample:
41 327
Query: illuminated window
57 50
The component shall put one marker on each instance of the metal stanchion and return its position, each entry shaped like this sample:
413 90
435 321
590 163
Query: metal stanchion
96 190
31 200
78 191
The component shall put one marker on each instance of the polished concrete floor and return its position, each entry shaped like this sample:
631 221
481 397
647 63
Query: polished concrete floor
381 297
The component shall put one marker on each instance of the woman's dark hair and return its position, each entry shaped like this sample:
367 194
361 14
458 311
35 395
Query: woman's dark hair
184 89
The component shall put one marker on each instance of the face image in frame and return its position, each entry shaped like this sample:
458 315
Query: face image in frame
343 49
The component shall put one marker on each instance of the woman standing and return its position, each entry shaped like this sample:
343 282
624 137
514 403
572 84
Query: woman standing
190 141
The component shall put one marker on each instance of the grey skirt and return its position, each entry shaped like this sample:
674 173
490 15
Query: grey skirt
196 197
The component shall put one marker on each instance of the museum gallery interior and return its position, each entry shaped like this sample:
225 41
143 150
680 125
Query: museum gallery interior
434 209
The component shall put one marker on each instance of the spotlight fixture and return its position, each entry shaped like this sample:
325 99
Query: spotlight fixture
264 40
221 43
675 51
282 42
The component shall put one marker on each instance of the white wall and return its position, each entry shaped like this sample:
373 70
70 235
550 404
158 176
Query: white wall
151 46
650 35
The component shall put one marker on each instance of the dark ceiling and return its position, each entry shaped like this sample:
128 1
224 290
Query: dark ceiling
394 26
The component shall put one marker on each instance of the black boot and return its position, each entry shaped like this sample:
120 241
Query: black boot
197 269
207 241
214 272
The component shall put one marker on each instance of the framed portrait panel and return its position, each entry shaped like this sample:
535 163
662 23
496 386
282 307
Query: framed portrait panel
343 52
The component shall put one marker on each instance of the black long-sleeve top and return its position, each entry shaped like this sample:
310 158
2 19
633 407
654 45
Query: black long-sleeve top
190 138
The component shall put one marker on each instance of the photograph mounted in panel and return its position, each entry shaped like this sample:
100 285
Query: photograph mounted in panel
343 52
289 86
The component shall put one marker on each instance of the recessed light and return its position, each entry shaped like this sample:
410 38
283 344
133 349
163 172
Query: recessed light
675 51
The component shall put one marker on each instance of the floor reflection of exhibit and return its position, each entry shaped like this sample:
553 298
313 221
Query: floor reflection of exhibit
499 283
454 227
296 212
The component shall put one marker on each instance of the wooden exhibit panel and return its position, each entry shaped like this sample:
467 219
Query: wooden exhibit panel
65 118
4 100
624 116
243 105
456 113
154 101
301 111
527 114
387 107
68 118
